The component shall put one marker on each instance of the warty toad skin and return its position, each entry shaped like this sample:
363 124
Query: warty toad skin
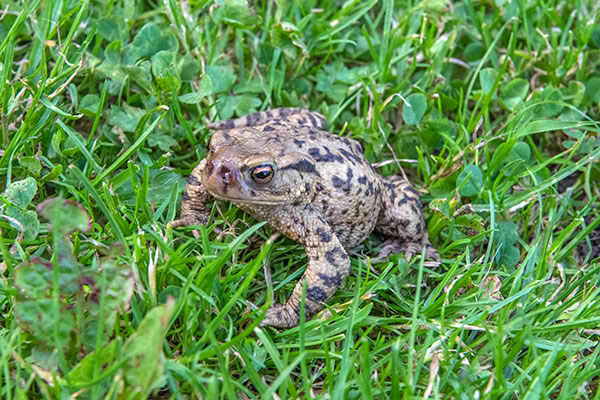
281 166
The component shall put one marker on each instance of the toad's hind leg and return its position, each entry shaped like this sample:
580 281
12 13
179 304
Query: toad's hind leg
193 204
328 265
401 220
295 116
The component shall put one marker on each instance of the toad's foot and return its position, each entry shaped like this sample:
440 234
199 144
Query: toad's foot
190 219
409 249
288 315
281 316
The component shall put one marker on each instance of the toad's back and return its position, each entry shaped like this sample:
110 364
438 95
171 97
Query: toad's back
347 191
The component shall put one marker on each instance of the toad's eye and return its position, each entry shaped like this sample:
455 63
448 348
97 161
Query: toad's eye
262 173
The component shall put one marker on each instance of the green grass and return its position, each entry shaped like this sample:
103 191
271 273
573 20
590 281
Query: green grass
490 107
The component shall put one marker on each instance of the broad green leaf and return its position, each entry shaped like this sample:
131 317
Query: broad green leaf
487 78
472 223
77 285
506 237
507 233
206 88
151 39
592 89
164 142
236 13
576 90
111 65
113 28
170 291
474 51
247 105
140 74
434 5
287 37
89 105
514 92
56 142
65 215
125 117
163 64
20 193
470 181
118 283
31 164
414 108
521 151
222 78
444 186
33 305
189 68
84 371
165 71
27 220
549 106
509 255
144 369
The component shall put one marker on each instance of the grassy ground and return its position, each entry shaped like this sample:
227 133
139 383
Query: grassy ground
490 107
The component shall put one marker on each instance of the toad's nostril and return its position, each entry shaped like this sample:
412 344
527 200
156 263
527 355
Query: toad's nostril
225 174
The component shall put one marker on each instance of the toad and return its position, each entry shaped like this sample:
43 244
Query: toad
282 166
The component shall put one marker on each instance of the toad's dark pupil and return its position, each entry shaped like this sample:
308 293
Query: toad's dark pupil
262 173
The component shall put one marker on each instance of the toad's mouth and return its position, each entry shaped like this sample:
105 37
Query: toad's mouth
246 200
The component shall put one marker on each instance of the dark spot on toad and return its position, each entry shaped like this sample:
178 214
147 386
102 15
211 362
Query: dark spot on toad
193 180
353 158
298 142
302 166
324 235
410 189
316 294
337 182
331 281
403 200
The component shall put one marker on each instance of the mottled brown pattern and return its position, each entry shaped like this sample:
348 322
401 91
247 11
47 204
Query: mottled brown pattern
316 188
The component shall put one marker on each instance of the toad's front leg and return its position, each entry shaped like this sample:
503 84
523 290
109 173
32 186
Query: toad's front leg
193 204
328 265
